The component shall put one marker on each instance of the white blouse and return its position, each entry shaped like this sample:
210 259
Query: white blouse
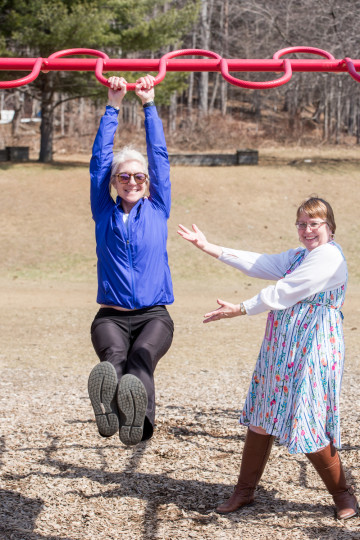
324 268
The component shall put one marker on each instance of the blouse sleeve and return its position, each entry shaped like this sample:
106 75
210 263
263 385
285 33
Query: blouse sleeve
323 269
258 265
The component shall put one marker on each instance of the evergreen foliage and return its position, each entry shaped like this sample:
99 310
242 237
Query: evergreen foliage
117 27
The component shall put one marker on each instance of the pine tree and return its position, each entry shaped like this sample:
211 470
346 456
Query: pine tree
117 27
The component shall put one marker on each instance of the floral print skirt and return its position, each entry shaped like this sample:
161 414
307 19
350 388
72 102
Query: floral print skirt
295 389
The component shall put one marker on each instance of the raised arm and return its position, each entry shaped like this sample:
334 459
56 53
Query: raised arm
159 167
102 154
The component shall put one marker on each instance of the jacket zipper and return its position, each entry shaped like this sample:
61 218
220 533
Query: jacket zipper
128 246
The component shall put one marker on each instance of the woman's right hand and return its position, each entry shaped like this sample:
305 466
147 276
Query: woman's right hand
117 91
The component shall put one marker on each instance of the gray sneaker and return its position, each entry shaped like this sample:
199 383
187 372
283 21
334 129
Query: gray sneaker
102 386
132 402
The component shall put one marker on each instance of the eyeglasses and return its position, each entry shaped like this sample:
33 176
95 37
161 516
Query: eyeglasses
314 225
124 177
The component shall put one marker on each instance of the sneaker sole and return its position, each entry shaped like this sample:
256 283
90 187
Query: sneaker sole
102 386
132 402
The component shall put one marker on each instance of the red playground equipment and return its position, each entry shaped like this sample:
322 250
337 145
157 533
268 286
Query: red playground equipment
214 63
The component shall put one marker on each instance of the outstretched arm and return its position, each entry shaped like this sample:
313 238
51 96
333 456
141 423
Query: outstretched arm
198 239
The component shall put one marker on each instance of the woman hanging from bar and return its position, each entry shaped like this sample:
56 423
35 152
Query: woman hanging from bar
132 329
295 388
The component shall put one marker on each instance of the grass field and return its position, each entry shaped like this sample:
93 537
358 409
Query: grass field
59 479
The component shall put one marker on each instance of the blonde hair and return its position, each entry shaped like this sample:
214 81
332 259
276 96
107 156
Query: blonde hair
128 154
316 207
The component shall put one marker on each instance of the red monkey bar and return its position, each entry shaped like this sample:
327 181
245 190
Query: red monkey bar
214 63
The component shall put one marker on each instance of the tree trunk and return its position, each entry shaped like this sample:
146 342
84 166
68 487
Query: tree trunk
173 112
326 111
330 110
203 93
81 116
225 53
16 118
205 43
62 119
191 83
47 121
338 113
214 92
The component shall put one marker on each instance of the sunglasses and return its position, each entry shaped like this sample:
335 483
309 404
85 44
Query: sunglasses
124 177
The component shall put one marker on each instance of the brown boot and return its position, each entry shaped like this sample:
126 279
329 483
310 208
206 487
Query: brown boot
255 455
328 465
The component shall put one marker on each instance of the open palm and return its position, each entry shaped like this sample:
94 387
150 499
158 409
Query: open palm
195 236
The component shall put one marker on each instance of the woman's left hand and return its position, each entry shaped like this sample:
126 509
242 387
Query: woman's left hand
225 311
145 88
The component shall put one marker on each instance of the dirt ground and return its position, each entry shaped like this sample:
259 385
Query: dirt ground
59 479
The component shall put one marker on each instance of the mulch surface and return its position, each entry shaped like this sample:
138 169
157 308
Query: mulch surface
59 478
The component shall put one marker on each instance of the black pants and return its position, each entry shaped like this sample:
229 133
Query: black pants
133 342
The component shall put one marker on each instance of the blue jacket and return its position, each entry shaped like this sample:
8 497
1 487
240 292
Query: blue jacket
133 269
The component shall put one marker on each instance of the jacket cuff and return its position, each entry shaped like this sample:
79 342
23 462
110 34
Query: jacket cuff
111 108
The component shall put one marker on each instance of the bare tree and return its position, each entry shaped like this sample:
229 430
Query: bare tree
257 29
206 13
224 25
